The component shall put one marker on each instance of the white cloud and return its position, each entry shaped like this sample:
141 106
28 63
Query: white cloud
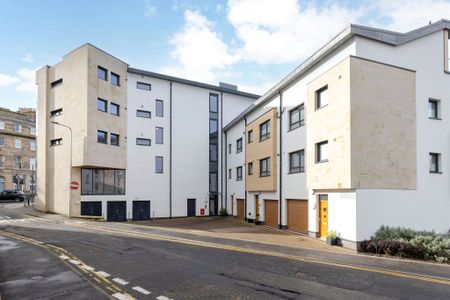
285 31
28 57
7 80
199 51
150 9
27 80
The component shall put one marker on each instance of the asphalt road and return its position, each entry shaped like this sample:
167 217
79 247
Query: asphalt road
71 259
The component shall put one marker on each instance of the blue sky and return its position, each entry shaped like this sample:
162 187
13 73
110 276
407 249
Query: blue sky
252 43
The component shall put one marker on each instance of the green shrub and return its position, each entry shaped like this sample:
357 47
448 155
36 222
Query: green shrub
436 248
386 233
223 212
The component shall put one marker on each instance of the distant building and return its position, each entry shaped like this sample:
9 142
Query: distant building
17 149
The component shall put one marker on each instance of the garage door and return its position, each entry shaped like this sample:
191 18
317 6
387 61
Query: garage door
141 210
298 215
240 209
271 213
117 211
93 208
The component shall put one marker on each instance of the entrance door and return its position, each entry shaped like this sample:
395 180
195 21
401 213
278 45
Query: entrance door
141 210
240 209
191 207
256 208
117 211
323 211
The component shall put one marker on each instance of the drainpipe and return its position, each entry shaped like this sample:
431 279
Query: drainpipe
170 153
245 183
221 153
280 201
225 171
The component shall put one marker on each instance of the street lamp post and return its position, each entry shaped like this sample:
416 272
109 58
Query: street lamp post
70 168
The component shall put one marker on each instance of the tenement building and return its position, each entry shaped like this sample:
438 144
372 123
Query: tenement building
356 137
123 143
17 149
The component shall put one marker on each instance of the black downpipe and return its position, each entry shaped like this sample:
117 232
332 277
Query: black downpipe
225 173
221 153
245 183
170 154
280 201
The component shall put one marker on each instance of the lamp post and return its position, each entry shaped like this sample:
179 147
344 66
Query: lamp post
70 168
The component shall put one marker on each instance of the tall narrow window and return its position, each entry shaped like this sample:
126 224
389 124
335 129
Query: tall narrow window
159 166
250 136
322 152
102 105
102 137
434 109
264 131
19 163
2 161
18 127
322 97
2 125
297 117
230 171
435 163
115 79
159 135
213 152
229 148
114 139
239 145
32 145
33 130
213 182
102 73
250 168
18 144
239 173
2 141
264 167
114 108
159 108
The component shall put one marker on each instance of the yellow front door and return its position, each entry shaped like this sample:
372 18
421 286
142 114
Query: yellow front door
256 208
323 211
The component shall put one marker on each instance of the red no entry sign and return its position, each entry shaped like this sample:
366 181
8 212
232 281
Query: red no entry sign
74 185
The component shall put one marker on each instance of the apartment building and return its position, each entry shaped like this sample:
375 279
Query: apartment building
356 137
122 143
18 149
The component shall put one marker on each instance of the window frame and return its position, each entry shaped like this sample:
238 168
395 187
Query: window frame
438 157
250 137
300 168
437 104
266 136
262 172
111 105
239 174
56 83
143 111
230 173
250 168
216 158
318 102
142 139
111 141
162 108
239 145
56 142
56 112
157 142
99 68
106 137
318 158
114 75
156 164
300 122
105 102
140 86
115 187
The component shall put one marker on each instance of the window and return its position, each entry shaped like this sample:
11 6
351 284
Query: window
2 161
434 109
114 109
230 173
143 114
102 182
102 137
213 182
159 135
143 142
56 112
18 127
32 145
297 117
2 141
229 148
297 162
114 139
102 105
264 167
32 164
102 73
250 136
213 156
322 152
159 168
56 142
435 163
264 131
56 83
322 97
250 168
239 173
159 108
19 163
144 86
32 130
213 103
18 144
2 125
239 145
115 79
212 126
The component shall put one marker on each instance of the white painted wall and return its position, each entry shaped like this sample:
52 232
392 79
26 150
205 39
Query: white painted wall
342 215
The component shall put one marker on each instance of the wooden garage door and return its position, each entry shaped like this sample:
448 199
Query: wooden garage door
271 212
240 209
298 215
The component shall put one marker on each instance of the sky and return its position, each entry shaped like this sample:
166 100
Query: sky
251 43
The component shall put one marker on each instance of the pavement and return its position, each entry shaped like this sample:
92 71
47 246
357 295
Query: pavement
182 260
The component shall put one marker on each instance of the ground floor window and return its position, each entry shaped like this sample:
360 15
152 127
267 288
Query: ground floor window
102 182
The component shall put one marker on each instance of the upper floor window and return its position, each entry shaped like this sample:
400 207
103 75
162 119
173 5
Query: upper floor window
102 137
264 131
56 142
144 86
159 164
213 182
239 173
213 125
322 97
250 168
56 112
102 105
297 117
18 127
2 125
250 136
264 167
159 108
115 79
33 130
2 141
239 145
434 109
213 153
322 152
229 148
213 103
297 162
56 83
32 164
2 161
435 163
114 109
143 114
18 144
19 163
114 139
102 182
33 146
230 173
102 73
159 135
143 142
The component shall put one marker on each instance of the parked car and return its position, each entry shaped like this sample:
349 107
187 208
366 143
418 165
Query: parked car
12 195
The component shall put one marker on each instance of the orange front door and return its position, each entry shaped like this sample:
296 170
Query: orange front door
323 211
